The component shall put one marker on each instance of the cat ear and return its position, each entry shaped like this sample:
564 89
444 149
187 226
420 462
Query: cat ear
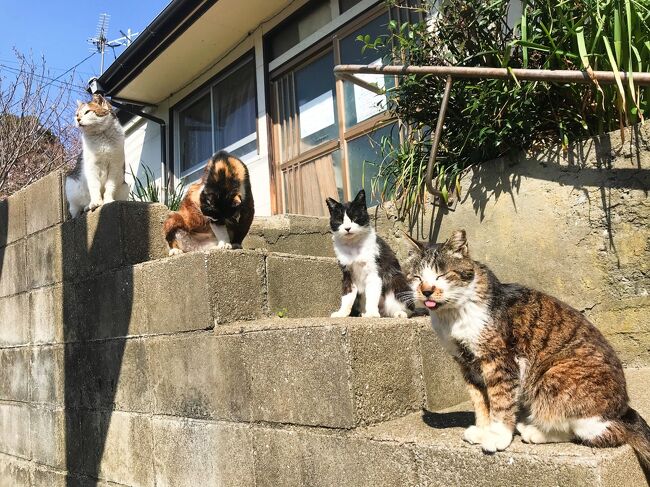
416 246
332 204
360 197
457 244
79 103
236 201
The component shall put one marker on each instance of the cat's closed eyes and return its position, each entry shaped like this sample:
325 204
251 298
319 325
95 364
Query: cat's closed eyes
373 282
524 353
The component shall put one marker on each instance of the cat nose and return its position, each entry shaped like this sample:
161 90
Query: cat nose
427 292
347 229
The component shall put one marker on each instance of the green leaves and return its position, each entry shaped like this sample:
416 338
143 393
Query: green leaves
149 190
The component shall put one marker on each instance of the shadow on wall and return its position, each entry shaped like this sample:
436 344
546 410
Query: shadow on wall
4 231
594 168
97 303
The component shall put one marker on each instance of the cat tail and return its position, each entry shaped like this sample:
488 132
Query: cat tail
637 434
173 223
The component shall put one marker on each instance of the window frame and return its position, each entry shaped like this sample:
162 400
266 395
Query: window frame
345 134
201 91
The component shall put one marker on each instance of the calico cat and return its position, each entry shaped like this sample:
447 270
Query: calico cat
98 177
523 351
372 276
216 212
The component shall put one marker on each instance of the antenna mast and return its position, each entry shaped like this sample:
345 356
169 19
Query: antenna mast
100 41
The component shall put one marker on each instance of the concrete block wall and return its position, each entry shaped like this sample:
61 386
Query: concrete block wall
120 366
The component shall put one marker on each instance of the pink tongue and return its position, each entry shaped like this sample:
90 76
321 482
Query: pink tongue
430 304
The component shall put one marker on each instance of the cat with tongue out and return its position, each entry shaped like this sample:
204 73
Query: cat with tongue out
373 282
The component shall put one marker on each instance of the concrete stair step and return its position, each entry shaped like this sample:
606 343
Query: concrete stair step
292 234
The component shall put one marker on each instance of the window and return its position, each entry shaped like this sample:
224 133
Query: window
302 25
327 133
345 5
221 116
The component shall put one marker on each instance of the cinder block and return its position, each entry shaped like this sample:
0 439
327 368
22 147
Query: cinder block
196 453
14 328
51 478
302 286
316 459
48 436
14 374
142 235
44 258
236 285
12 218
44 202
109 374
14 429
300 376
291 234
200 376
15 472
118 447
13 274
386 369
176 294
47 314
117 234
109 305
443 382
47 375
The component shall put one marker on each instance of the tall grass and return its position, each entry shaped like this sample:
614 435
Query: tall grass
487 119
148 189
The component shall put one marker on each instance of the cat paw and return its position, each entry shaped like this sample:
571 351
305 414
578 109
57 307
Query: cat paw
224 245
371 314
175 252
497 437
400 314
93 205
339 314
473 435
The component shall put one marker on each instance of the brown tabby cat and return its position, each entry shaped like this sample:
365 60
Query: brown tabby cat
216 212
523 351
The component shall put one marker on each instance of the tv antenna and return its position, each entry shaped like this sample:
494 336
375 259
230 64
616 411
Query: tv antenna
100 41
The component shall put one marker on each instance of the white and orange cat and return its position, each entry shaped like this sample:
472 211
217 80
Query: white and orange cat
98 177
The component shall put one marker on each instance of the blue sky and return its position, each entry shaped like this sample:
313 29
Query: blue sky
59 29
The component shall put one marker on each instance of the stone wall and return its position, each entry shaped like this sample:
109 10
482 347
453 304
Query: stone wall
573 223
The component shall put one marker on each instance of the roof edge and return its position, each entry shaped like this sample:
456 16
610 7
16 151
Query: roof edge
168 25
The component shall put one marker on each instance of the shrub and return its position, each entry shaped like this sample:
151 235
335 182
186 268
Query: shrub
487 119
151 191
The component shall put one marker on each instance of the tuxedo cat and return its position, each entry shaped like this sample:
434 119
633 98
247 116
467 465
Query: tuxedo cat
372 277
216 212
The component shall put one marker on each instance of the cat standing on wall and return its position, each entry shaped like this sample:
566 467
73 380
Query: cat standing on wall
372 277
98 176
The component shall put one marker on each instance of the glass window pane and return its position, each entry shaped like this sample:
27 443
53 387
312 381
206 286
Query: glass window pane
364 161
361 104
195 130
235 112
316 101
345 5
300 27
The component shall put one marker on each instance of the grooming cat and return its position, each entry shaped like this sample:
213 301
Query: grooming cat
523 351
216 212
372 276
98 177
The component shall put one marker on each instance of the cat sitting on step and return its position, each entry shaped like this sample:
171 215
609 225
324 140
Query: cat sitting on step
372 277
98 176
526 355
217 212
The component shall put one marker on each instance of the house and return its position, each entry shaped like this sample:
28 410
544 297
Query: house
255 77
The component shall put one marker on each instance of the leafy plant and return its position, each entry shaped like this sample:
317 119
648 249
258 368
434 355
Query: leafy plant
151 191
487 119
